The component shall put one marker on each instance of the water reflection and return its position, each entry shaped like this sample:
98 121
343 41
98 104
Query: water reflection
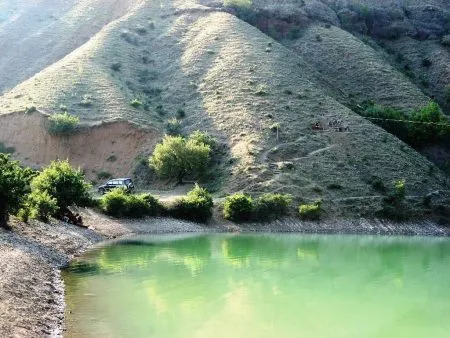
262 285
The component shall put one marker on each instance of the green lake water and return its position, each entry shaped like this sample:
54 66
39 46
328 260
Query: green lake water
261 285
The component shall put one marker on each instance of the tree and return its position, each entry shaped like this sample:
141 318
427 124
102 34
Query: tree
60 181
177 157
14 185
432 125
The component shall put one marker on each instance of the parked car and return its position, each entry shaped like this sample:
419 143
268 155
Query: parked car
125 183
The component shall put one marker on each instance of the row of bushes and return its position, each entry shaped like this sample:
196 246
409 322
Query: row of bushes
195 206
425 126
241 207
198 204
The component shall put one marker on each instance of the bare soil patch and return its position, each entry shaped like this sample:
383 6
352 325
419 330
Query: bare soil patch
109 147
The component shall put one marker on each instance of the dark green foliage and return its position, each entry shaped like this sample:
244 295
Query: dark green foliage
112 158
202 137
311 211
39 205
14 185
238 207
103 175
196 206
63 183
62 124
177 157
141 30
29 110
119 203
378 184
173 127
432 126
181 113
393 206
116 66
160 110
426 63
334 186
421 128
271 206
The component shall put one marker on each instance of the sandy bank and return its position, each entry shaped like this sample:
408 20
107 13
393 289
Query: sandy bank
31 256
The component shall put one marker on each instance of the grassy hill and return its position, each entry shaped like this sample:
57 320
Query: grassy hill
257 96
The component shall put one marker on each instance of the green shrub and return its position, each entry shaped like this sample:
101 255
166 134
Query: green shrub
181 113
112 158
393 206
119 203
39 205
238 207
311 211
173 127
426 63
380 113
431 127
421 128
64 123
86 101
202 137
63 183
177 157
271 206
103 175
29 110
116 66
160 110
14 185
196 206
136 103
378 185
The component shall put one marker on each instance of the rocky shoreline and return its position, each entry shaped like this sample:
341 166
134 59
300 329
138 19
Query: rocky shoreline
32 256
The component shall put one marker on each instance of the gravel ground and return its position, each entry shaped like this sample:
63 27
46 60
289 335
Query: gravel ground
32 255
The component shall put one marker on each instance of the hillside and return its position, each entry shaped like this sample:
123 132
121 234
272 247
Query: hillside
258 96
35 34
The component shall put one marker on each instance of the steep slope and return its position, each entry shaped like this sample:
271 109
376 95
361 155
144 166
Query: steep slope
406 33
356 68
256 96
35 34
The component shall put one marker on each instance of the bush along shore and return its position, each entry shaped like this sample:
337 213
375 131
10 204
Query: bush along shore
38 240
